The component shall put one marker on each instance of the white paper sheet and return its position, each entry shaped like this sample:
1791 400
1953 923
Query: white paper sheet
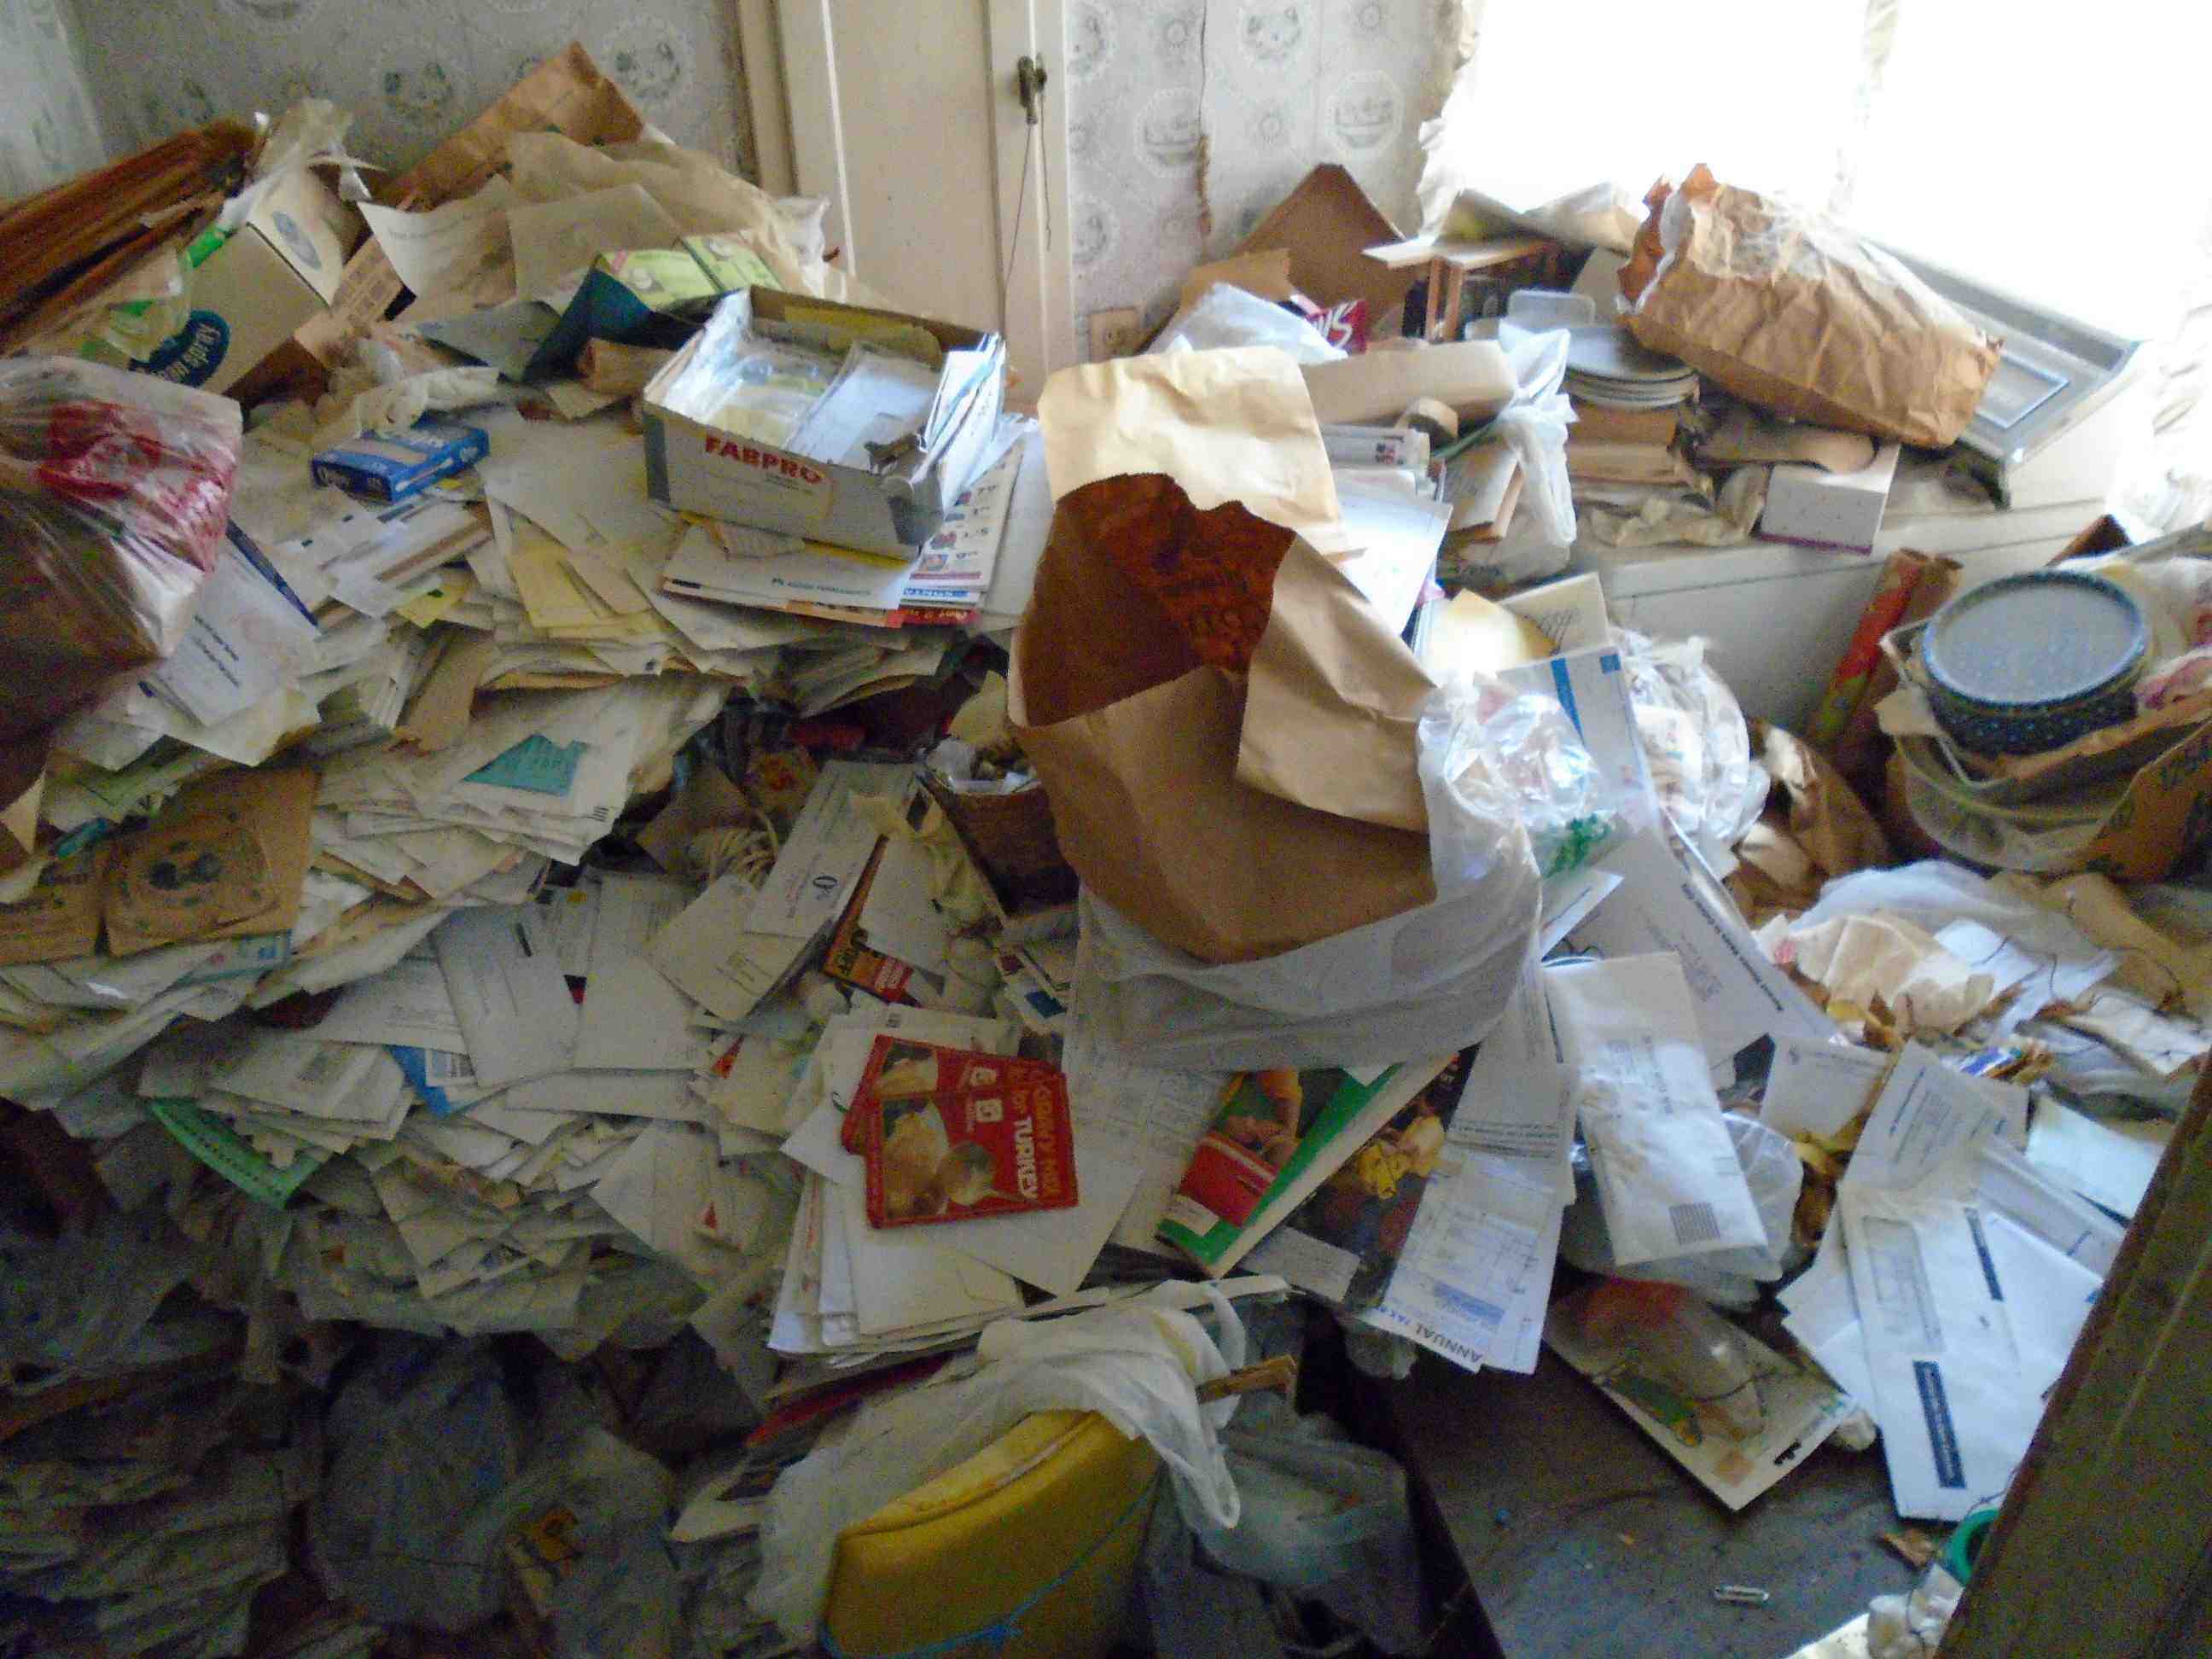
1662 905
247 638
1667 1176
407 1004
1516 1104
813 573
1817 1088
709 955
555 242
2109 1161
634 1019
508 994
459 246
1947 1373
1475 1273
827 848
1396 532
899 920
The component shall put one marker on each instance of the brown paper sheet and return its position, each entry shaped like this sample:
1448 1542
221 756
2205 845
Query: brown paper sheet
708 801
1226 425
1826 816
1472 376
1334 701
438 712
1747 437
1326 224
1136 740
1624 426
224 860
1800 316
567 93
59 917
22 788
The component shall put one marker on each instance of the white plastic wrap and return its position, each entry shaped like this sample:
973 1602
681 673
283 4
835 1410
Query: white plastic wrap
1696 740
1535 424
1138 1363
1425 981
1226 316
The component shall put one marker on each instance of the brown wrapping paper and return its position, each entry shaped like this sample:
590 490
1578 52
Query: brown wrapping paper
1136 734
1802 317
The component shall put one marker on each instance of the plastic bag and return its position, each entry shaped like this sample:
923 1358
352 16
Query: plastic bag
1696 740
1137 1363
1428 980
1535 424
115 497
422 1440
1730 1278
1226 316
1324 1519
1489 754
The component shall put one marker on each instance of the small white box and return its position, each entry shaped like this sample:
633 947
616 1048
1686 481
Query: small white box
1814 508
696 468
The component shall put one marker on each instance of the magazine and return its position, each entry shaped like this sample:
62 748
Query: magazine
1278 1135
1342 1244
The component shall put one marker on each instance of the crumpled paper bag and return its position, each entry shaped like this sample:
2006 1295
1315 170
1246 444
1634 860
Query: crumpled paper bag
1803 317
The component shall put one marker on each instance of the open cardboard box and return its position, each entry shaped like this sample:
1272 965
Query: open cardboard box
697 468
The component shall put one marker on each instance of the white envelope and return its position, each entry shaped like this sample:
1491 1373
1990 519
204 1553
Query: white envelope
514 1006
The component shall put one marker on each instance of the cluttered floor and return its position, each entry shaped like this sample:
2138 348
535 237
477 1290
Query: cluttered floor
678 977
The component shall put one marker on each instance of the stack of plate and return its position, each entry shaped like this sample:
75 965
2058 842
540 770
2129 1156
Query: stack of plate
1604 365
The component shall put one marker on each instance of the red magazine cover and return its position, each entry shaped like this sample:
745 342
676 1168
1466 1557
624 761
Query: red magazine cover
987 1149
899 1068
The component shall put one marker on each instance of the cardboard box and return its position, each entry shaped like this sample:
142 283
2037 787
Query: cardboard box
1814 508
278 271
1328 223
696 468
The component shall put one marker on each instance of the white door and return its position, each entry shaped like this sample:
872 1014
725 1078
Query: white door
945 198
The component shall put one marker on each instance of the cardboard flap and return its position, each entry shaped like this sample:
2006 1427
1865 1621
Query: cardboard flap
1334 701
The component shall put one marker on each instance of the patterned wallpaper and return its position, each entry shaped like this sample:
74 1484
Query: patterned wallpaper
1257 90
411 70
48 131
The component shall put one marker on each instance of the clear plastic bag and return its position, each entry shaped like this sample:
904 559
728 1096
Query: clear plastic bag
1135 1362
1324 1519
115 497
1730 1279
1492 756
1696 741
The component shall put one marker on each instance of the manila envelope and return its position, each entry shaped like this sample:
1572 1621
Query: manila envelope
1132 708
226 858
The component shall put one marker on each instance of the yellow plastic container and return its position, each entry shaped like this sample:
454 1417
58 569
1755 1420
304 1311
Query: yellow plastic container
1026 1550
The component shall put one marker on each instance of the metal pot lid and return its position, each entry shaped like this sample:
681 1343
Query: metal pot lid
2031 641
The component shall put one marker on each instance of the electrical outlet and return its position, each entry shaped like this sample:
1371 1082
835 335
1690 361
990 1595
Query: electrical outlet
1114 334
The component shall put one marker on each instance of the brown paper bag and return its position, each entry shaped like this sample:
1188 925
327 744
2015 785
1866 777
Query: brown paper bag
1131 708
1799 315
567 93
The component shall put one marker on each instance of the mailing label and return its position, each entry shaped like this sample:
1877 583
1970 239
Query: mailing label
1943 1433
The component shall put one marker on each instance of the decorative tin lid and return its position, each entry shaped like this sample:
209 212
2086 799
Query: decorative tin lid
2036 639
